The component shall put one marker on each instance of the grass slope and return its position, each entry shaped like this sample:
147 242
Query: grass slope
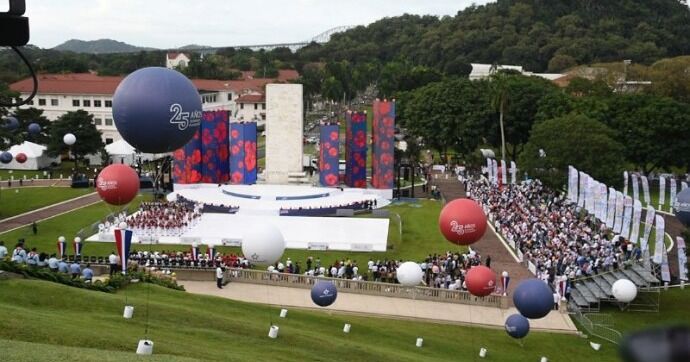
209 328
16 201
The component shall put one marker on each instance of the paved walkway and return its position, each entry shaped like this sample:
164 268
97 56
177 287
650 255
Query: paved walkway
398 308
25 219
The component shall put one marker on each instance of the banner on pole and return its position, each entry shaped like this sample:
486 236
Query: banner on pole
662 192
625 182
513 172
627 217
581 193
659 247
504 172
682 259
611 208
648 222
123 241
635 228
635 187
645 189
620 207
672 195
494 165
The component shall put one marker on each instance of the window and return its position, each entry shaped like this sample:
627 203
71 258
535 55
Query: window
31 102
87 102
229 96
97 121
41 102
108 122
256 106
241 105
97 103
75 103
108 141
208 98
263 116
54 102
108 103
263 105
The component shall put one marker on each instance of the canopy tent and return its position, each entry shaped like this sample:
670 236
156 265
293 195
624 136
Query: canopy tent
36 157
122 152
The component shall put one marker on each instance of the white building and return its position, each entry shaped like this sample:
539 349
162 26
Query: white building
251 107
61 93
481 71
174 60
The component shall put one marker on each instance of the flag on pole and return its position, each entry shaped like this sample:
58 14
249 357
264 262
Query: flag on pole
636 187
662 192
659 247
627 217
611 208
505 279
195 252
211 251
648 222
637 213
672 195
77 247
625 182
645 189
123 241
61 248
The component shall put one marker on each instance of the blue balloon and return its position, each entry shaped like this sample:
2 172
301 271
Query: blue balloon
11 123
5 157
323 293
156 109
34 128
517 326
682 206
533 298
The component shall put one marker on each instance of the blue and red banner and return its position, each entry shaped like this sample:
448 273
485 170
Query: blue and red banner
195 252
77 248
187 162
123 241
383 130
61 247
329 152
211 251
356 149
243 153
214 147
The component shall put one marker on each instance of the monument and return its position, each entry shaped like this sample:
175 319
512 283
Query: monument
284 133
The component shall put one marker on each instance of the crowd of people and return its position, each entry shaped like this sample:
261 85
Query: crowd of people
310 211
34 259
164 218
552 233
172 259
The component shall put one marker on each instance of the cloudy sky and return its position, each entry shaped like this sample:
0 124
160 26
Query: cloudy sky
174 23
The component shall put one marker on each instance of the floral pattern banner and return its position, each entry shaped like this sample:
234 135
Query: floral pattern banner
356 149
383 130
329 155
243 153
187 162
215 167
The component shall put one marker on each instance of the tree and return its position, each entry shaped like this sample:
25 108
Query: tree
80 123
26 117
575 140
499 100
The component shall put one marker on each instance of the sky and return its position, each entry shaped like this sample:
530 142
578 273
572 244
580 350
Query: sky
174 23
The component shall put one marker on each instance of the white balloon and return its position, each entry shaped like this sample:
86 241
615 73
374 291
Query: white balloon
624 290
69 139
77 240
61 239
263 245
409 274
122 225
504 274
195 245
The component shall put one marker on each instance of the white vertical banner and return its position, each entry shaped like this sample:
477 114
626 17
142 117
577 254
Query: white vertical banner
603 200
571 188
627 217
635 227
665 270
683 185
490 170
513 172
659 247
611 209
682 259
662 192
645 189
625 182
495 171
635 186
620 206
672 195
648 222
581 192
591 189
504 172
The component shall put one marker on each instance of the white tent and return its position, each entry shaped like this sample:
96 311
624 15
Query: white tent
121 151
36 157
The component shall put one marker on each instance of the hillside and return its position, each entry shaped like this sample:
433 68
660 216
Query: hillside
100 46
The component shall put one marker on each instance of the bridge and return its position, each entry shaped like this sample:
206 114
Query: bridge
324 37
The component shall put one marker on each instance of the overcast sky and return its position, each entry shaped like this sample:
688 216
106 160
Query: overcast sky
174 23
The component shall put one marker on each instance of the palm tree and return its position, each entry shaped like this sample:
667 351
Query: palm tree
499 101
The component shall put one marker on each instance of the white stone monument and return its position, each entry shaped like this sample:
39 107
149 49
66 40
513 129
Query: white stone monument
284 132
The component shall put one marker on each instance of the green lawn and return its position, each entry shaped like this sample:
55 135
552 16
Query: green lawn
15 201
210 328
64 168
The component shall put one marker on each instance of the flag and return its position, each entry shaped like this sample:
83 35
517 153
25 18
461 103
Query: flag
659 247
620 207
77 248
562 285
211 252
495 171
123 241
504 172
195 252
662 192
513 172
581 192
504 284
648 222
682 259
611 208
637 213
627 217
636 187
625 182
61 248
672 196
645 189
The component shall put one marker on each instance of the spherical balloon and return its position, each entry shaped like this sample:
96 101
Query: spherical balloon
682 207
61 239
481 281
624 290
34 128
117 184
77 240
69 139
122 225
462 221
504 274
263 245
5 157
156 109
21 157
517 326
10 123
409 274
324 293
533 298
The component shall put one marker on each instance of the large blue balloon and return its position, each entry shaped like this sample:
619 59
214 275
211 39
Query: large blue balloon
156 110
5 157
517 326
34 128
10 123
533 298
682 206
323 293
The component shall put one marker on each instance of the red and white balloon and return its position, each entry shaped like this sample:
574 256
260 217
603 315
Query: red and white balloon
462 222
117 184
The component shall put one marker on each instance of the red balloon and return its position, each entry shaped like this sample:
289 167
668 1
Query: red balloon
117 184
462 221
481 281
20 157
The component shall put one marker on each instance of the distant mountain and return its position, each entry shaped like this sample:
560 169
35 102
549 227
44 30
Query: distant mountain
99 46
194 47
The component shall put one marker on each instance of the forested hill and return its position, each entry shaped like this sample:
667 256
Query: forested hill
541 35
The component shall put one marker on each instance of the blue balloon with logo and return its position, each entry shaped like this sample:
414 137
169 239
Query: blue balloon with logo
533 298
10 123
5 157
34 129
517 326
156 109
324 293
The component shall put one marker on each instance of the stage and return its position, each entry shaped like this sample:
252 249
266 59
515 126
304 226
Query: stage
261 204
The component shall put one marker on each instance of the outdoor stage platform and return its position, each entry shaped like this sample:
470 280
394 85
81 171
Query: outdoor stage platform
261 204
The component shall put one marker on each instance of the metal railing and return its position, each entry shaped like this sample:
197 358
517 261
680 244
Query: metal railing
366 287
597 324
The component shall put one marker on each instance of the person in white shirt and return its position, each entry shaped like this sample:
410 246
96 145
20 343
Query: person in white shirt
53 263
219 277
3 250
112 260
